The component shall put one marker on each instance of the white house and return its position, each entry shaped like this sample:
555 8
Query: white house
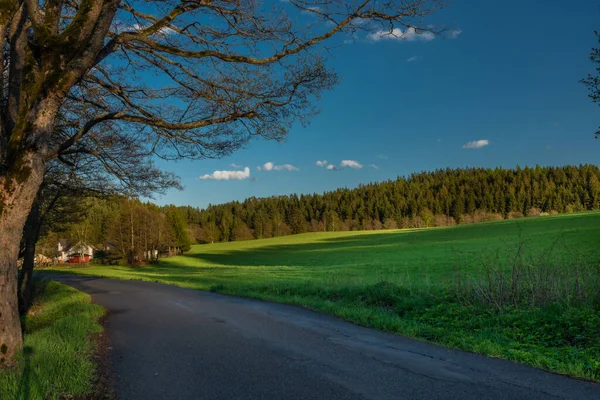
79 253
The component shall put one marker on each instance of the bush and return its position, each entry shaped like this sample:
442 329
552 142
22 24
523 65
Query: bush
390 224
480 216
514 215
405 223
525 278
573 208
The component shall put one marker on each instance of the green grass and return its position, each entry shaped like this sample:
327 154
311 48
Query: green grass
403 281
57 346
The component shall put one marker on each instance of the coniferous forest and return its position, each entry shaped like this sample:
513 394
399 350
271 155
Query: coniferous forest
426 199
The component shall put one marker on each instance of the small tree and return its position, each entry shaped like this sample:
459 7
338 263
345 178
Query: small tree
180 228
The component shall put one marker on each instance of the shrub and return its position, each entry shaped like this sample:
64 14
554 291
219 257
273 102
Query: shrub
534 212
376 224
417 222
390 223
573 208
406 222
427 218
514 215
525 278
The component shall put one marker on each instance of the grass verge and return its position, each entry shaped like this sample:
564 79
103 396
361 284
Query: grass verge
56 362
558 338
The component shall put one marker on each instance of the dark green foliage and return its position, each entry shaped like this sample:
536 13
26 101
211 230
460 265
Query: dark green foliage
179 225
438 198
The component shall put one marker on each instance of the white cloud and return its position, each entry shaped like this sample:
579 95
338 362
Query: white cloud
286 167
269 166
409 34
351 164
332 167
234 165
374 166
413 59
227 175
476 144
321 163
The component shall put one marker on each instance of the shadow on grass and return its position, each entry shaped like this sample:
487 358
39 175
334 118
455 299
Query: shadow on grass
403 246
28 378
423 256
325 252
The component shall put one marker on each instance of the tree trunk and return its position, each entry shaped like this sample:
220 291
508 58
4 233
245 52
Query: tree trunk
30 237
18 189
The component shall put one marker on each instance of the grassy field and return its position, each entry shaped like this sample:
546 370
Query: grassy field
434 284
57 346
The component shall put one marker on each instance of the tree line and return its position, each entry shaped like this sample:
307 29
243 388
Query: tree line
140 232
426 199
121 229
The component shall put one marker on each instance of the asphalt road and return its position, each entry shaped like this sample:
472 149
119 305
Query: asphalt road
172 343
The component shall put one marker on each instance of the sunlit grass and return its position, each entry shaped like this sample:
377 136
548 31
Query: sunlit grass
57 346
414 256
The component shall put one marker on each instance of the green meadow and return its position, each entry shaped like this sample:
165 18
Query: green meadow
526 290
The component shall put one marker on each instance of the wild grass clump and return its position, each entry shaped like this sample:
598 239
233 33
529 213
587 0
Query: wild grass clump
538 307
55 362
526 278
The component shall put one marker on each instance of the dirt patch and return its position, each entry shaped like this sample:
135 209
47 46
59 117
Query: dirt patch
104 384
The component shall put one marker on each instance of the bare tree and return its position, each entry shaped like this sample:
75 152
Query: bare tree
193 78
68 180
592 81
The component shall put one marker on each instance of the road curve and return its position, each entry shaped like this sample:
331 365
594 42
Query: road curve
173 343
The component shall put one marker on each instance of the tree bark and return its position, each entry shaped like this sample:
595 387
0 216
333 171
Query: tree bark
18 189
30 237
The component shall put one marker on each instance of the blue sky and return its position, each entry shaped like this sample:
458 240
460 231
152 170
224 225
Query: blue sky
510 78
